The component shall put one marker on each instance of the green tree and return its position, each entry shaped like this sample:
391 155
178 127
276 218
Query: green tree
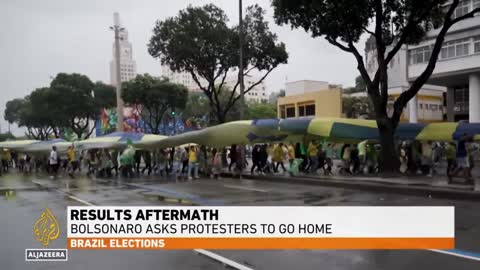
79 101
261 111
199 41
197 109
6 136
13 109
390 25
358 88
39 116
358 107
273 97
71 102
154 97
234 113
104 96
360 84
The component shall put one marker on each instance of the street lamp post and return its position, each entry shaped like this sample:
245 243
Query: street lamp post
117 29
240 66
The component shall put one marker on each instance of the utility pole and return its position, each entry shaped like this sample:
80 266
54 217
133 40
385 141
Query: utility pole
117 29
240 66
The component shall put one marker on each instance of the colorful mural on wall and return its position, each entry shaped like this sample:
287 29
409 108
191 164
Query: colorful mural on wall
132 121
108 121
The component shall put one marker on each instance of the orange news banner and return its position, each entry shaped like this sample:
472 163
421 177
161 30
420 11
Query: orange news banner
261 243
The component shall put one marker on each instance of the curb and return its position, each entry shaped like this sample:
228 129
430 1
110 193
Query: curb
161 196
178 200
439 192
169 199
6 189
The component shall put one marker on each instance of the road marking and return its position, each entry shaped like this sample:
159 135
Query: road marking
66 193
246 188
173 194
459 253
454 252
222 259
78 199
204 252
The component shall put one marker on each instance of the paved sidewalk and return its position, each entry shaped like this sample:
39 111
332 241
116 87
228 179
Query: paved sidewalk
433 181
436 185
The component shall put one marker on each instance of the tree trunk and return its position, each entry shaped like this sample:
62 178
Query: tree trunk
388 161
55 133
221 117
79 134
76 130
154 130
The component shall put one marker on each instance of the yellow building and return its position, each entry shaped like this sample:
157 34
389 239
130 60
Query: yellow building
426 107
310 98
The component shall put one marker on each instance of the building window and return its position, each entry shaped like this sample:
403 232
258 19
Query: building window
282 111
290 112
420 55
421 106
461 95
310 110
301 111
455 48
476 4
476 42
306 109
462 8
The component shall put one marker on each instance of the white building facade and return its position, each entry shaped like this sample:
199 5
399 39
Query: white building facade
184 78
257 94
457 69
128 66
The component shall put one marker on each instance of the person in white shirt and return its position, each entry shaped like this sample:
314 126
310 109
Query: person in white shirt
53 162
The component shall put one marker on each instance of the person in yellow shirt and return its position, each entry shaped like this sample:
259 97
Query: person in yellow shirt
72 160
269 165
192 163
312 152
278 156
71 154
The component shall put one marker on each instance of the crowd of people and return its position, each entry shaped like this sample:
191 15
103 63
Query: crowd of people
178 162
189 162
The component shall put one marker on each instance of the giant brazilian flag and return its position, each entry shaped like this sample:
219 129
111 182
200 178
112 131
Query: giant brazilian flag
266 131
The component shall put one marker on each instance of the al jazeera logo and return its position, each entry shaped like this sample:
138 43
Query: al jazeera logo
45 230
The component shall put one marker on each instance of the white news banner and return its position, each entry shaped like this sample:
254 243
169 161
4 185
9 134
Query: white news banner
260 227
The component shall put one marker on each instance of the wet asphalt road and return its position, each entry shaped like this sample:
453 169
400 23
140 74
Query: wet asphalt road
23 199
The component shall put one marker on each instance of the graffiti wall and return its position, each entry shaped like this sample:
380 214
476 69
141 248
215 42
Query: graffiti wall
132 121
108 121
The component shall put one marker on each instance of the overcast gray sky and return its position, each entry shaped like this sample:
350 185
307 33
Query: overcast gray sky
42 38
